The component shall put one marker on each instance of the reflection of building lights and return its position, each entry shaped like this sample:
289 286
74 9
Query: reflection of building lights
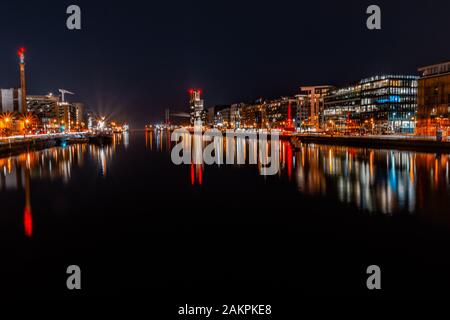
28 222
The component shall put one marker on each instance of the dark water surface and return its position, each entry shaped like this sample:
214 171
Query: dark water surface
137 224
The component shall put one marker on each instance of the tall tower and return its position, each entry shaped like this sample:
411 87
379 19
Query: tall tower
23 89
196 106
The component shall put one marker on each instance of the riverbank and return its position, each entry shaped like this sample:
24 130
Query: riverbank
19 144
412 143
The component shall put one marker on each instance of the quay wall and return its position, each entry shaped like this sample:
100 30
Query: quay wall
15 147
401 143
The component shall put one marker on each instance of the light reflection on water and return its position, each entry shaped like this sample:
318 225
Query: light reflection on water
17 172
379 181
54 163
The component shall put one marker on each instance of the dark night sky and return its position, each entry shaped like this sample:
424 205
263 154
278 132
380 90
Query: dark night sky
133 59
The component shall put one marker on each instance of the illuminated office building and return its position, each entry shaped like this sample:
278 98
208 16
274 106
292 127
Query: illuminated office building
312 105
380 104
280 113
223 117
197 112
45 108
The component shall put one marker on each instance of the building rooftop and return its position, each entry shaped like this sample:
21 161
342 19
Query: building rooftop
435 69
388 76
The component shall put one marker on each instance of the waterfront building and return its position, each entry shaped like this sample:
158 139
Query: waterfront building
390 102
67 116
253 115
216 115
235 114
52 114
312 105
303 114
11 100
341 107
210 114
223 117
379 104
280 113
90 119
79 115
262 114
45 108
434 100
196 107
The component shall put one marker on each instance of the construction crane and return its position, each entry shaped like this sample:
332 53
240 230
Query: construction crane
63 91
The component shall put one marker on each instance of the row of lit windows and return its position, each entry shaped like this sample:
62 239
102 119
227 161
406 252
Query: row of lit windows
403 83
368 108
392 99
403 91
375 78
374 85
388 100
384 91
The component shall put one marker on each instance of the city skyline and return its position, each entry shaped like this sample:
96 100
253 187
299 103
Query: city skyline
188 151
141 64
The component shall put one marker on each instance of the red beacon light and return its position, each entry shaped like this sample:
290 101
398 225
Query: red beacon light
192 91
21 54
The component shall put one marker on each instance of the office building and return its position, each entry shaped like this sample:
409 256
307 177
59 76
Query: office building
197 112
312 105
45 108
379 104
10 100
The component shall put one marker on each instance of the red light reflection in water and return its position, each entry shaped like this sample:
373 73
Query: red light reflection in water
192 174
196 171
289 159
28 222
289 115
200 174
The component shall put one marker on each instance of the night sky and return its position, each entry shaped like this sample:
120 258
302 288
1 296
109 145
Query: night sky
132 59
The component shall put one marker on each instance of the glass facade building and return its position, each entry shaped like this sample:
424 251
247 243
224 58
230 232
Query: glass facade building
378 105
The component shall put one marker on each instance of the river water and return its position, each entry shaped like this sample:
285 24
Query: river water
134 222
